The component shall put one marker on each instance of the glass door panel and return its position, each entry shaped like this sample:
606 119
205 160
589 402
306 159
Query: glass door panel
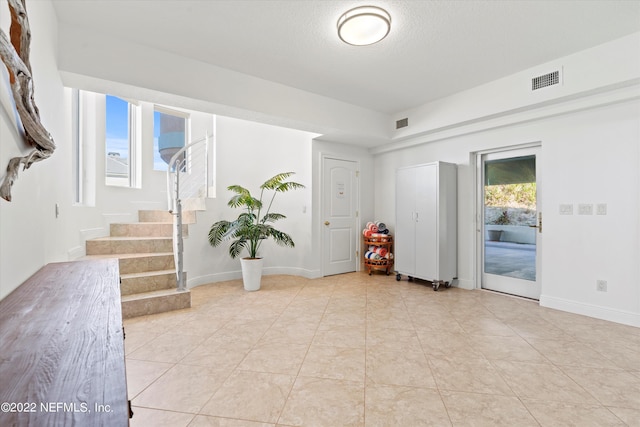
510 222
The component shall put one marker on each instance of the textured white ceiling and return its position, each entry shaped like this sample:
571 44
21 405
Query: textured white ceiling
435 48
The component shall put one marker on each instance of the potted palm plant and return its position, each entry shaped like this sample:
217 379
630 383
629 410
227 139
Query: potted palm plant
253 226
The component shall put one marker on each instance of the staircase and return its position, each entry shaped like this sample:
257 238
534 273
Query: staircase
147 268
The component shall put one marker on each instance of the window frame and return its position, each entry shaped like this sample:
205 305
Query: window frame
176 113
134 143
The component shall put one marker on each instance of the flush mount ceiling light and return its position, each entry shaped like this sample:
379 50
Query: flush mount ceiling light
364 25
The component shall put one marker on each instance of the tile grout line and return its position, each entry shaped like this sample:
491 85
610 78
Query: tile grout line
504 315
309 347
428 359
235 369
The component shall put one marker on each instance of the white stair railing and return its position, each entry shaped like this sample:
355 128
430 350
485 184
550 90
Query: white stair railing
187 178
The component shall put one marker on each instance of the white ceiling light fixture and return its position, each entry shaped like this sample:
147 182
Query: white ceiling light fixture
364 25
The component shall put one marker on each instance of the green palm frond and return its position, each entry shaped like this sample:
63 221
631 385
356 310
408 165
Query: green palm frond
281 238
250 229
236 247
238 189
272 217
246 217
286 186
273 182
246 200
218 231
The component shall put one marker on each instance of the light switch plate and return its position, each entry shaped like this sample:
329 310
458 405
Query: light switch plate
601 209
601 285
566 209
585 209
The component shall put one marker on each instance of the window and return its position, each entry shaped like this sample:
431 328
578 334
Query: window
122 142
170 134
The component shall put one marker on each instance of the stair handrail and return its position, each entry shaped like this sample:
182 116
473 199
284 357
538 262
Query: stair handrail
177 166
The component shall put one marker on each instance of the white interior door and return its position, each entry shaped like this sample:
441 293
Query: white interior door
511 221
339 216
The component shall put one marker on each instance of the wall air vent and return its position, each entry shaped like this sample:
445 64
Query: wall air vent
546 80
402 123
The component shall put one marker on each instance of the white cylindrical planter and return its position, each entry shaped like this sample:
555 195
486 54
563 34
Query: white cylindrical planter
251 273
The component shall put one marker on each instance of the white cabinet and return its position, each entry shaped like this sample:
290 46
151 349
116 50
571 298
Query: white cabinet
426 223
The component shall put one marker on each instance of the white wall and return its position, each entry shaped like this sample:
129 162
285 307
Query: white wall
106 204
599 69
30 235
589 131
86 53
588 156
593 157
249 153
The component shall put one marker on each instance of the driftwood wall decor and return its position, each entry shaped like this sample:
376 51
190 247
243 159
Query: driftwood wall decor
15 55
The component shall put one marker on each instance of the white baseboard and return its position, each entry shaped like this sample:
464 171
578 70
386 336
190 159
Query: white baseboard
292 271
85 234
313 274
464 284
92 233
267 271
213 278
111 218
598 312
77 252
143 205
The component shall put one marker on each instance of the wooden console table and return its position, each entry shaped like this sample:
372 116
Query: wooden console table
62 350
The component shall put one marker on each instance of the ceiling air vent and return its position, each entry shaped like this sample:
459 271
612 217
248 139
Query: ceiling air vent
402 123
546 80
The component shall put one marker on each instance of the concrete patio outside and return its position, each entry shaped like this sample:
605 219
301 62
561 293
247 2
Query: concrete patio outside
510 259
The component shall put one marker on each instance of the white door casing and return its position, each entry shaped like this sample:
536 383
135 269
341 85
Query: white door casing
339 216
502 282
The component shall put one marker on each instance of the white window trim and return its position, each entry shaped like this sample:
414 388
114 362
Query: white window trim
76 132
135 145
134 136
83 115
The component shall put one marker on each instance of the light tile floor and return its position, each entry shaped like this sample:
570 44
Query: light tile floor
359 350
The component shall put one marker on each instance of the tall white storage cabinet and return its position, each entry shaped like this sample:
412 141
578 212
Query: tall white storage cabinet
426 223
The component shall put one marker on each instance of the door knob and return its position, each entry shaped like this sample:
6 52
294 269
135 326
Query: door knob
539 226
327 223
